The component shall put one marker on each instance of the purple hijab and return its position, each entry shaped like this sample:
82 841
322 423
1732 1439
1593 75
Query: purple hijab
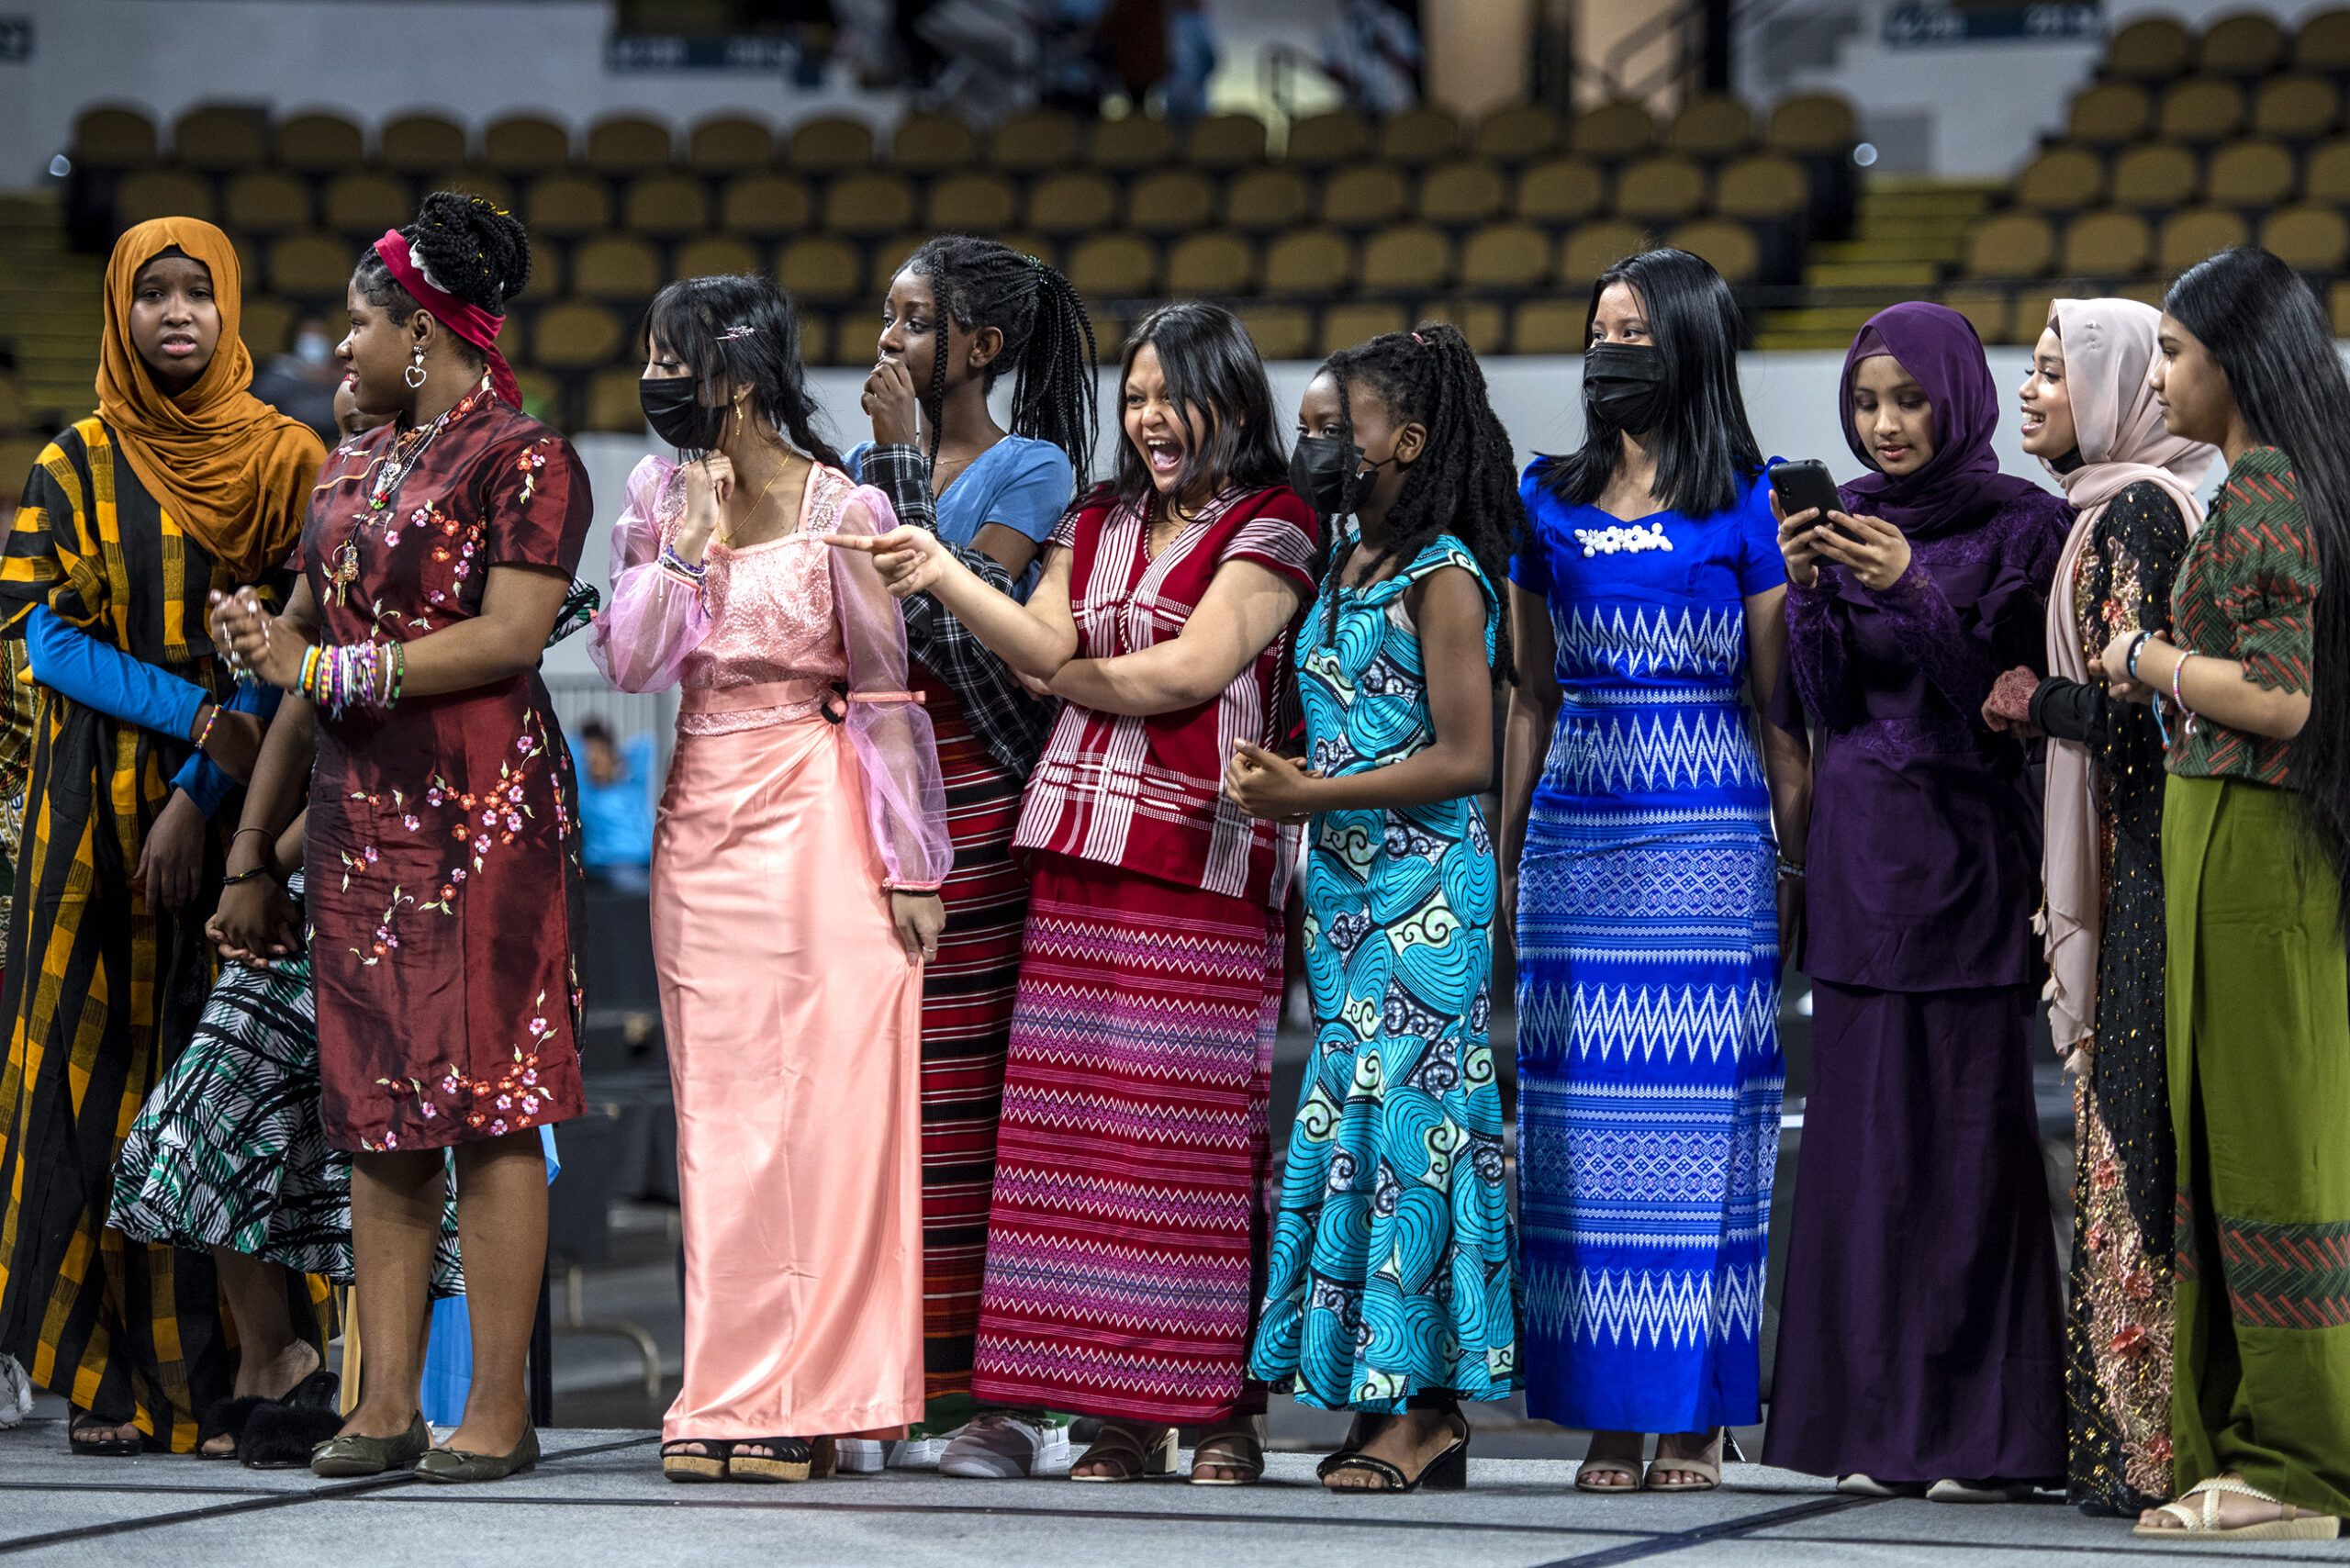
1961 483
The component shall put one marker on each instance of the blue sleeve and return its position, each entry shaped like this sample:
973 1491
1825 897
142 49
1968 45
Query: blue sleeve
101 676
1531 567
853 461
1039 490
1761 567
200 778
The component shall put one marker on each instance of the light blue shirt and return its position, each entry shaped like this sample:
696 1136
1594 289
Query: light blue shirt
1020 483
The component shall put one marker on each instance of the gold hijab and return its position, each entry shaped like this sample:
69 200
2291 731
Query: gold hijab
233 472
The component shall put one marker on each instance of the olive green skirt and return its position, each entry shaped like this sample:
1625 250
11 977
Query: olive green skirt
2259 1025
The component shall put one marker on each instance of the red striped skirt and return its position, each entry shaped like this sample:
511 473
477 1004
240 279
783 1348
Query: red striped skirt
967 998
1124 1246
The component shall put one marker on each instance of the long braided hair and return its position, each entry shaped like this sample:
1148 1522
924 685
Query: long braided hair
1465 483
1047 339
728 329
473 250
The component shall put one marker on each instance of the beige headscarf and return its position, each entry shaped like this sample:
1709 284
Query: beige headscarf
2110 344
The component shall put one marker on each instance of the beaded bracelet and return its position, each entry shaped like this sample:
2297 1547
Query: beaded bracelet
1790 867
677 565
205 733
257 872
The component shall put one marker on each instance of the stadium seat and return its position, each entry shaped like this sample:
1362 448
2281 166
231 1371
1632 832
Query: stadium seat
2154 49
2197 112
1987 309
2110 115
220 140
312 266
2295 109
525 144
267 328
716 256
2107 244
627 144
318 144
611 403
265 201
1313 262
1617 129
567 205
1563 190
2326 177
1515 133
1045 250
2196 235
162 193
616 266
1661 188
667 206
888 259
2249 174
1075 201
729 144
1714 126
2249 44
823 343
575 335
2307 238
1482 321
1508 256
1344 326
1034 140
1264 201
417 145
1419 137
868 204
1323 140
971 203
548 280
2157 175
1811 123
1594 248
1212 263
1280 331
821 268
1365 196
1170 202
2013 244
110 138
1459 194
927 142
1131 143
1412 259
1728 247
492 188
1764 185
830 144
1549 326
2064 179
2323 43
1116 267
767 205
1225 143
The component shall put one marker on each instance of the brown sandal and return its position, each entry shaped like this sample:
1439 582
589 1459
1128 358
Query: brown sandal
1240 1448
1125 1448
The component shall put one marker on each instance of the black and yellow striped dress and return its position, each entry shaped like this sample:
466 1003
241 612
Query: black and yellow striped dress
100 991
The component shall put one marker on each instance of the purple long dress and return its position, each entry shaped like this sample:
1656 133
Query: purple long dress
1920 1336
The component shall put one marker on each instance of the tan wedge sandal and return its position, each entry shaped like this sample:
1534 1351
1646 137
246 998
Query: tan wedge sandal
2296 1523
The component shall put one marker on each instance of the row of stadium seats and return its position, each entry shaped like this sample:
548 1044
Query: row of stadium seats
2292 108
2157 49
2158 175
2122 245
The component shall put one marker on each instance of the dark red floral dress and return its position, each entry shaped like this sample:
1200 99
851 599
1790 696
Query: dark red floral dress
444 846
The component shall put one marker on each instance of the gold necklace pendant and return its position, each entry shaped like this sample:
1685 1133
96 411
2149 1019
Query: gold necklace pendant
344 570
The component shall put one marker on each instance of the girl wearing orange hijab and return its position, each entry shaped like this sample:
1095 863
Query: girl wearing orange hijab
181 484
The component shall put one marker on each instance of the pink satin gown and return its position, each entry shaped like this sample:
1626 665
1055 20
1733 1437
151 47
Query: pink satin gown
793 1018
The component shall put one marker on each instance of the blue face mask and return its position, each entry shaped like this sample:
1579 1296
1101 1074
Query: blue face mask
312 348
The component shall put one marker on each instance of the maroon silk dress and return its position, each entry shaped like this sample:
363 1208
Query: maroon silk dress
445 882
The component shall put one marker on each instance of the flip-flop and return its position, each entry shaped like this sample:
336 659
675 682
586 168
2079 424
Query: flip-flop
2297 1524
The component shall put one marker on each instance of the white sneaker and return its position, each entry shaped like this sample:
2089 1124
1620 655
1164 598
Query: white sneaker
15 1393
1960 1492
858 1456
921 1453
1000 1447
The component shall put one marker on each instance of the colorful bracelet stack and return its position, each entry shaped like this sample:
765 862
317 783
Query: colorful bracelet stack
348 674
676 565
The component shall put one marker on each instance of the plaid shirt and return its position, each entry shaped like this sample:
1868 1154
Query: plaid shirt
1010 723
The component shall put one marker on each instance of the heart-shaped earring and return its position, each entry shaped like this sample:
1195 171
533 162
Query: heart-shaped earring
414 373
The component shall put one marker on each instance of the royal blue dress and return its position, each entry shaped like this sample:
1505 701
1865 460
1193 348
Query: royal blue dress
1647 994
1393 1268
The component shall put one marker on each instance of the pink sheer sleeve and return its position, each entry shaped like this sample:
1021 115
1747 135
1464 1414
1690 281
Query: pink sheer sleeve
904 801
655 616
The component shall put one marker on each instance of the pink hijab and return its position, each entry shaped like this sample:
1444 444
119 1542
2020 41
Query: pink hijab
2110 344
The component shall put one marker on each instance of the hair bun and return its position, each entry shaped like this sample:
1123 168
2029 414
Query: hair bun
472 248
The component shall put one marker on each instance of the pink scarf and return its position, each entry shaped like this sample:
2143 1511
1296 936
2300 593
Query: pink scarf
2108 348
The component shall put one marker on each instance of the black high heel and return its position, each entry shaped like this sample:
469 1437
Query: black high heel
1448 1472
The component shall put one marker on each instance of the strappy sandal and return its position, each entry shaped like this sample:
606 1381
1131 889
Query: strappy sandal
1448 1472
1630 1469
2297 1524
1359 1432
786 1459
1124 1450
1708 1465
78 1438
1240 1448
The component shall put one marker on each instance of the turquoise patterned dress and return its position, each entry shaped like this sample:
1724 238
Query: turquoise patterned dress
1393 1269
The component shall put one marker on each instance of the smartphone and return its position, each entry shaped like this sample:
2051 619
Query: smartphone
1805 484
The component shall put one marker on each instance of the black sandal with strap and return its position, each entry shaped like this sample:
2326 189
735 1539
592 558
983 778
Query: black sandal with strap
1448 1472
1358 1434
787 1458
691 1468
89 1447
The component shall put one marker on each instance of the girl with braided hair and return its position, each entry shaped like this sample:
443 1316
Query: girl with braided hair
961 314
1397 670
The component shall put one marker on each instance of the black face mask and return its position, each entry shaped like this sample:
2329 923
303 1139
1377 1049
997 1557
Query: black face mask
672 407
1327 470
1625 386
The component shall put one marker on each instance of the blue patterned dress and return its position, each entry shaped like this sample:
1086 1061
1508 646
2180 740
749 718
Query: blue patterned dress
1392 1266
1648 1065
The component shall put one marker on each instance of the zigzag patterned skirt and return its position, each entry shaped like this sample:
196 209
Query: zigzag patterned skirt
1127 1236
